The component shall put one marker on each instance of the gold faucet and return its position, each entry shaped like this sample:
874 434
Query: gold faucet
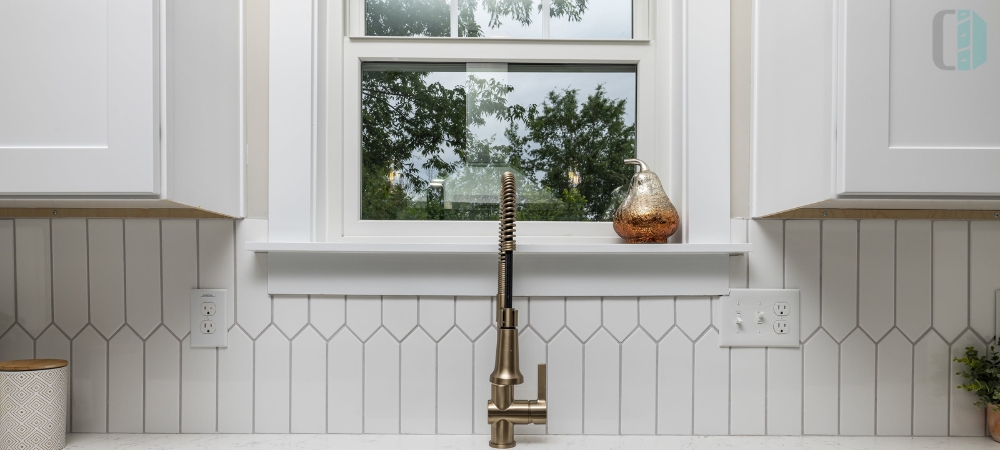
503 412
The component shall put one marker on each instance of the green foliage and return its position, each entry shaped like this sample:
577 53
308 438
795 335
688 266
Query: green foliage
982 376
407 18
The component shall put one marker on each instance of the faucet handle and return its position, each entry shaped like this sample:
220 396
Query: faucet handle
541 382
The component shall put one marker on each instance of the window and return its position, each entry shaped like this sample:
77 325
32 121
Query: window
436 138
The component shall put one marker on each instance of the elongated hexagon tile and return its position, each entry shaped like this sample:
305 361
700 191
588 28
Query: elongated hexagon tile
656 315
16 344
913 277
7 297
711 386
931 385
52 344
694 315
748 367
950 268
69 275
876 275
364 315
547 315
253 303
291 313
802 270
199 375
765 263
565 390
90 382
839 287
484 359
857 385
34 274
216 258
454 379
125 376
143 306
180 273
107 275
382 385
163 375
399 315
984 264
418 387
236 384
638 402
326 313
894 383
583 316
472 314
621 316
820 377
601 387
437 315
308 410
784 391
272 362
674 395
964 417
345 384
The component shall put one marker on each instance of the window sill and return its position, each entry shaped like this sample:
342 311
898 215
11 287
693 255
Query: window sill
491 248
468 268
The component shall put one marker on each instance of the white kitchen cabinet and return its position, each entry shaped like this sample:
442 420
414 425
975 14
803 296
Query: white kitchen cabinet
121 103
876 104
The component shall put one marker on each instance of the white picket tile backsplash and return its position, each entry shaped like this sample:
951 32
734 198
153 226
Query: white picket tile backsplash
885 305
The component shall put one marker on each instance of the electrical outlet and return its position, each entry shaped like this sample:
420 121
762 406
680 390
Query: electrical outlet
209 318
773 314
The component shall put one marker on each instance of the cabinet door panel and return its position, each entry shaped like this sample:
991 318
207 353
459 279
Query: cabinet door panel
920 98
79 97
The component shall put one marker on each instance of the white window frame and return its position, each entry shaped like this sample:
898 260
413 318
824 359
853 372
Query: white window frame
682 58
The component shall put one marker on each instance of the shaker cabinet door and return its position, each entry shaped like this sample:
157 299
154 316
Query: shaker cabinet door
79 97
919 97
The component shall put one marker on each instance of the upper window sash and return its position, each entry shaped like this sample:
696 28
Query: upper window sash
355 20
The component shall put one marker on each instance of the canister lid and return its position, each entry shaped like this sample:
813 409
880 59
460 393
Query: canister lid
24 365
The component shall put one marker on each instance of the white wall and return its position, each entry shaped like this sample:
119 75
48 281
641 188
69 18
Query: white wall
885 306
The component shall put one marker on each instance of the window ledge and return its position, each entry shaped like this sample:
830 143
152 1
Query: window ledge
468 268
491 248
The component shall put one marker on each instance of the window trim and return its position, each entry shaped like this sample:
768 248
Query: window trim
306 54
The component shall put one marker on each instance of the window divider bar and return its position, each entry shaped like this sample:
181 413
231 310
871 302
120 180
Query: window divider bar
454 18
546 15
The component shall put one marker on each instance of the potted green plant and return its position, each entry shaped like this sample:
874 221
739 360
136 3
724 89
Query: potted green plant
982 376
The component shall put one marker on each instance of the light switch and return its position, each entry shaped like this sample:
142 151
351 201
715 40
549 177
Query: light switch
773 318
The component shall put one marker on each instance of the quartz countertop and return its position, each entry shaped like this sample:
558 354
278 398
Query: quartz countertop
416 442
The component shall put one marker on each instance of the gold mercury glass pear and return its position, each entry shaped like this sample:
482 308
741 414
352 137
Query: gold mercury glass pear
646 215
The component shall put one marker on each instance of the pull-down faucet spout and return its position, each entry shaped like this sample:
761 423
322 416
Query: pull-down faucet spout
502 410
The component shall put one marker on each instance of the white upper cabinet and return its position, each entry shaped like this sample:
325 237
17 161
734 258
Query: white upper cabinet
876 104
122 103
79 97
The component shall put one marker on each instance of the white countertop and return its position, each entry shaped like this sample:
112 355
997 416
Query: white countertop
414 442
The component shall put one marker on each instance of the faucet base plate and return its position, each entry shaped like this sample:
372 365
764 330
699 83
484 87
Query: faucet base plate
511 445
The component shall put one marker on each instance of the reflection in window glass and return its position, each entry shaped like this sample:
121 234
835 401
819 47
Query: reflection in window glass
568 19
408 18
436 138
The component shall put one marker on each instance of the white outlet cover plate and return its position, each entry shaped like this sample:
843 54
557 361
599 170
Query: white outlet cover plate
221 318
748 302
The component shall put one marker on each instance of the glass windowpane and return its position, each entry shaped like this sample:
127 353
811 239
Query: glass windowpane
437 137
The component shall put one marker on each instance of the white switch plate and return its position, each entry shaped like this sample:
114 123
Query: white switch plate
761 313
209 318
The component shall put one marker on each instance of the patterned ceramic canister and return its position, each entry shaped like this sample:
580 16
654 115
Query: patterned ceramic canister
33 408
